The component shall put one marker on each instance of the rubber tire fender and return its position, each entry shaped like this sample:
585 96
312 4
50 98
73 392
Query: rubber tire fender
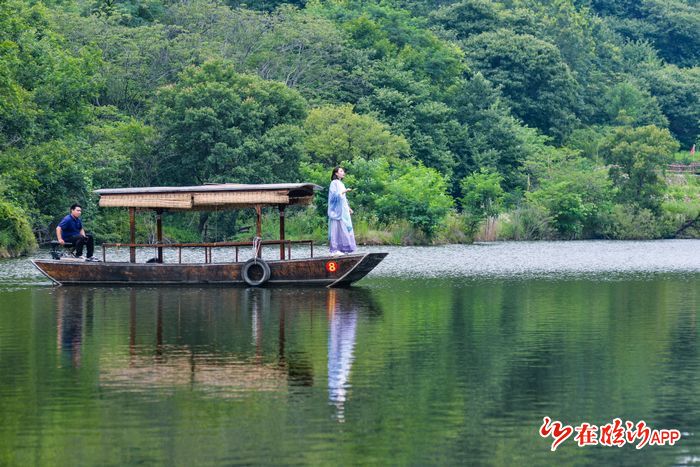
245 272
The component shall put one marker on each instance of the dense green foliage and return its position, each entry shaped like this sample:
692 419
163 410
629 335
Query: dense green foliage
219 126
574 106
16 235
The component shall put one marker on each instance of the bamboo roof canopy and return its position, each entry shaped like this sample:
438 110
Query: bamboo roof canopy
205 197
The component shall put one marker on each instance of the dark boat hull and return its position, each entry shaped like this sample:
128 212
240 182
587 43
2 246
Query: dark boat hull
325 271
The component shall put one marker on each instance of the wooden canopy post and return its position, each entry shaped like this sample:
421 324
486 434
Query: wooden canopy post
281 208
159 233
132 234
258 227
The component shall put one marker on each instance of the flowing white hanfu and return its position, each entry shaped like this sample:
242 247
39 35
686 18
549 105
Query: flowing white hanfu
341 237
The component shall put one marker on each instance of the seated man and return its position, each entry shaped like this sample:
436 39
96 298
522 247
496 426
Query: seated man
70 229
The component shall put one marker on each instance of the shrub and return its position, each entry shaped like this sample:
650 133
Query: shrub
628 223
528 222
16 236
424 208
451 230
368 232
568 209
681 205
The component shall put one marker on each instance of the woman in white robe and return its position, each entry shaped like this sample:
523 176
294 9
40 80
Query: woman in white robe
341 238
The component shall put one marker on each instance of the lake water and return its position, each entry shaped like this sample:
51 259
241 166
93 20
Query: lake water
443 355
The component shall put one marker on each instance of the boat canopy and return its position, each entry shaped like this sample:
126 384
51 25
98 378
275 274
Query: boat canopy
208 197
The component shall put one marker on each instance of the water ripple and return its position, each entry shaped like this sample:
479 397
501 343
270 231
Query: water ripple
572 258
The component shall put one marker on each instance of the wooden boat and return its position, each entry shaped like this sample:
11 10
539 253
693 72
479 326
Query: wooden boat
317 271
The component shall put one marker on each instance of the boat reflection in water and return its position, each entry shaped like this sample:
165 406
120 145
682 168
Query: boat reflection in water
199 346
220 342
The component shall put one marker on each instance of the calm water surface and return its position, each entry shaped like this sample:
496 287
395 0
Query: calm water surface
443 355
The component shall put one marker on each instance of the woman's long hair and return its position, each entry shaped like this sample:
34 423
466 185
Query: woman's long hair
334 174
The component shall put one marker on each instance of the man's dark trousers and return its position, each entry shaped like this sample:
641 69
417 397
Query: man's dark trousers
79 241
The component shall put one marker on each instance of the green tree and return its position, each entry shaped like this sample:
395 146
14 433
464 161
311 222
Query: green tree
588 141
389 32
47 88
304 51
533 76
266 5
678 93
493 137
568 208
469 17
428 125
135 61
120 151
403 77
674 26
627 104
221 126
425 208
46 178
335 134
637 156
16 236
300 48
670 24
482 197
626 8
575 192
126 12
18 113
